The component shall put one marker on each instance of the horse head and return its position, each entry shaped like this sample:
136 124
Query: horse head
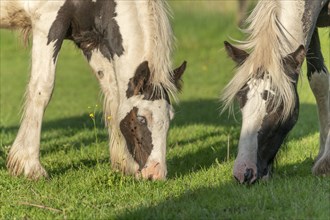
263 127
144 119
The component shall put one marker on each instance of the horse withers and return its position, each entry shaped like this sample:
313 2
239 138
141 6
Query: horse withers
128 44
281 35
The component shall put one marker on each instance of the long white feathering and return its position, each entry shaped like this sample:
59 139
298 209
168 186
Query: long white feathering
268 46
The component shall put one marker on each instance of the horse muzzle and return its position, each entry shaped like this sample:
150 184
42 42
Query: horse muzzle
245 172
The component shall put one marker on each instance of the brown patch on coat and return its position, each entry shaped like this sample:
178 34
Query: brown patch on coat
138 136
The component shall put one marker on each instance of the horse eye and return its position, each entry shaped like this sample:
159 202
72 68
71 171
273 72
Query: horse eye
266 94
141 119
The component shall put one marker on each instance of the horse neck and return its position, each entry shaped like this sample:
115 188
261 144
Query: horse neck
298 19
147 36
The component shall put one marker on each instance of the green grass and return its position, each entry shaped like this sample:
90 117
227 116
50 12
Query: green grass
200 183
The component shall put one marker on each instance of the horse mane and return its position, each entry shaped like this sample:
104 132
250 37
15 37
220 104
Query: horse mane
268 45
160 47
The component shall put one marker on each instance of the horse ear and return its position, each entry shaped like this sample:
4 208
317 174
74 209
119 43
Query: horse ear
297 58
238 55
177 74
140 80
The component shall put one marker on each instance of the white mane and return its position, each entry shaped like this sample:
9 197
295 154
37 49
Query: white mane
268 46
161 46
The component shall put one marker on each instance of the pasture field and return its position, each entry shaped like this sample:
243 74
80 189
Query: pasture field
202 144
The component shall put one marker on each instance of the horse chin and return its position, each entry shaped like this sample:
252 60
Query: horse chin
266 177
265 173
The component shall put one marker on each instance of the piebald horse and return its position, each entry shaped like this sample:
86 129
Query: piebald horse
128 44
265 84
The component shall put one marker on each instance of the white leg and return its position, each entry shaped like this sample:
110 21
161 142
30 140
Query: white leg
319 81
322 164
24 153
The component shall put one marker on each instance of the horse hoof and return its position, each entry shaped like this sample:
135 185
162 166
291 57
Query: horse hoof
322 166
32 169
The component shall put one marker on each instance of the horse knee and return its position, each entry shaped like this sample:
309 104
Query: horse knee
40 93
319 83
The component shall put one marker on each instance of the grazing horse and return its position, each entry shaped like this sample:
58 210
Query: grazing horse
265 84
128 44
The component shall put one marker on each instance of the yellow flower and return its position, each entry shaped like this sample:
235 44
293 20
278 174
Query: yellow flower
91 115
109 117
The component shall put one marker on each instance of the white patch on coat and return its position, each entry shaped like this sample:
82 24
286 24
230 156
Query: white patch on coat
253 114
158 114
158 127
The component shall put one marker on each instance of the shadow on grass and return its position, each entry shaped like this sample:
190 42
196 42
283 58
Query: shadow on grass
202 111
199 112
206 112
195 161
233 201
59 133
302 169
201 203
81 164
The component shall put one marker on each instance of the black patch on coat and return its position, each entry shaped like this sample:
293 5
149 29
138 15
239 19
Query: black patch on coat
309 19
90 25
140 84
273 130
315 61
324 17
138 137
271 136
148 91
60 27
241 96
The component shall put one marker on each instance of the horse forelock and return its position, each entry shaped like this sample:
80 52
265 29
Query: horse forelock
268 45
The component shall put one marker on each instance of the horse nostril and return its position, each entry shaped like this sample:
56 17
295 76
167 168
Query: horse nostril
248 175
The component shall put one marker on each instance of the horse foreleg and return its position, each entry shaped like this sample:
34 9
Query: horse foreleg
322 165
23 157
319 78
